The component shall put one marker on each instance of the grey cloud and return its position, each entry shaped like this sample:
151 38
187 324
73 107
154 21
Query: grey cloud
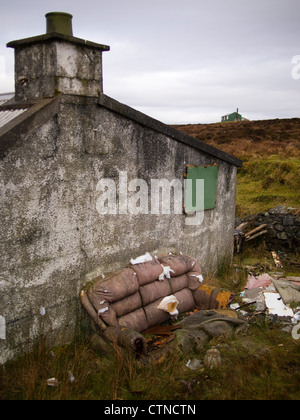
180 61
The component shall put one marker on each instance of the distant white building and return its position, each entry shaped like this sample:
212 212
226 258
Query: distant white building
234 116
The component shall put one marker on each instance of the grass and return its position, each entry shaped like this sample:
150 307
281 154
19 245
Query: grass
270 151
264 182
264 363
261 363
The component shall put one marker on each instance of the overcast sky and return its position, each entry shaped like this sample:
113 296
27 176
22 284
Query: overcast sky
180 62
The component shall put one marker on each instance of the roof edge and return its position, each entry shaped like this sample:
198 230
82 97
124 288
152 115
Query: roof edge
55 36
165 129
37 114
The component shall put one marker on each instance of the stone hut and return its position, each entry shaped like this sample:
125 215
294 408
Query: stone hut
77 175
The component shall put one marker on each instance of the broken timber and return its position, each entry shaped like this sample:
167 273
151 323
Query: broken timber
254 233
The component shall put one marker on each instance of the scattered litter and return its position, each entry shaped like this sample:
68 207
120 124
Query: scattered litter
71 377
271 293
141 259
276 259
276 306
212 358
244 313
187 384
251 294
42 311
194 364
159 340
295 332
289 291
249 302
52 382
296 318
169 304
262 280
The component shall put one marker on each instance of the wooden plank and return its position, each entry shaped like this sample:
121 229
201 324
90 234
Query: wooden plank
255 230
242 226
249 238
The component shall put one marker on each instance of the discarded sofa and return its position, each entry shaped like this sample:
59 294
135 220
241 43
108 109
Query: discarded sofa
148 292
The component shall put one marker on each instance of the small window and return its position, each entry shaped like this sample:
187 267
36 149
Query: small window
208 174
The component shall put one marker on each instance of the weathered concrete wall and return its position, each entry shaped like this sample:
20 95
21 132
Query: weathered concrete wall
52 236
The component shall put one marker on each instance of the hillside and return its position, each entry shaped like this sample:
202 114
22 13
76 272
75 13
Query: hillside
270 150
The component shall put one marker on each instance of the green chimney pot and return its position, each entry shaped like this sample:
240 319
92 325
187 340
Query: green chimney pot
59 22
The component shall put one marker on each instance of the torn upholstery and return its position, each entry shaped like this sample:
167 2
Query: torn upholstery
124 303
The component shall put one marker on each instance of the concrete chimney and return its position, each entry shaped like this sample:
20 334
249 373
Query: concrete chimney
57 62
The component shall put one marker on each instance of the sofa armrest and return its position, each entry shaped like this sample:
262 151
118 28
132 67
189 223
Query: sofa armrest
91 311
127 338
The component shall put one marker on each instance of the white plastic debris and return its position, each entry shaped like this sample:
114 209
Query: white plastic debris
165 273
212 358
52 382
276 306
296 318
42 311
200 277
169 304
194 364
141 259
101 311
71 377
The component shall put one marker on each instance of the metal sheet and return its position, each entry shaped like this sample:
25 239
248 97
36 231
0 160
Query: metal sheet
8 115
208 175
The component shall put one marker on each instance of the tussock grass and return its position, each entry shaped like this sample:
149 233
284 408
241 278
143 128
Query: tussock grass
264 182
263 363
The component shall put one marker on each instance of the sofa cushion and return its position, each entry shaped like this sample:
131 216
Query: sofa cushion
148 272
179 264
155 290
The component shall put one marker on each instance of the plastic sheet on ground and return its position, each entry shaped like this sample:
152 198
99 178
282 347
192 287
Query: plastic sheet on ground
262 280
271 294
276 306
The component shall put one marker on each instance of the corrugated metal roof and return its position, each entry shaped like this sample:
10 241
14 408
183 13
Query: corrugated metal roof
7 115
